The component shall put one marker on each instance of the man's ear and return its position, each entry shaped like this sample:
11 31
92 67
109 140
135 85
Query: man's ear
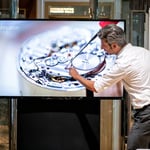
114 45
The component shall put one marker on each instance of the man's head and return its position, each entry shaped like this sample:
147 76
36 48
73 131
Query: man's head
112 38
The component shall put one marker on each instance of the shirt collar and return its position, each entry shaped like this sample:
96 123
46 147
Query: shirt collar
127 46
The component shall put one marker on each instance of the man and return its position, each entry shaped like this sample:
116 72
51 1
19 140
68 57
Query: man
133 69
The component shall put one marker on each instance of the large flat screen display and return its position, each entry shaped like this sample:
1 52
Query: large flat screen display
35 55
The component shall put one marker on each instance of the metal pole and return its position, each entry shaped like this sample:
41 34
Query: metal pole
93 8
13 124
14 8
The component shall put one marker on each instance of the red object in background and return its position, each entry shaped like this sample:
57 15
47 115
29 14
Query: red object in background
104 23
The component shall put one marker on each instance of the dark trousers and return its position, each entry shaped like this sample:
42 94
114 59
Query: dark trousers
139 136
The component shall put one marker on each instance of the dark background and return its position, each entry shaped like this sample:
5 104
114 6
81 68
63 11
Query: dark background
58 124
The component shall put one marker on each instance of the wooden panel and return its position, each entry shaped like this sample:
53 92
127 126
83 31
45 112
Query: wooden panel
30 7
139 4
106 118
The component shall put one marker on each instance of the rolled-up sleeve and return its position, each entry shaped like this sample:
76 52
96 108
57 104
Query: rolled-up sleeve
113 76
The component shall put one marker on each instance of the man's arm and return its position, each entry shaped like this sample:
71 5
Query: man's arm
87 83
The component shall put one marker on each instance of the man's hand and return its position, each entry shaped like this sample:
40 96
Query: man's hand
87 83
73 72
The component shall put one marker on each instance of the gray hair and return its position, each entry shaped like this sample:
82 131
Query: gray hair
113 34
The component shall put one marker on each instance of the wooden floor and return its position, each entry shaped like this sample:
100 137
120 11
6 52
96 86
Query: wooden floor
4 137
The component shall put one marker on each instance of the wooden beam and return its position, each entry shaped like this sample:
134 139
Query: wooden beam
106 120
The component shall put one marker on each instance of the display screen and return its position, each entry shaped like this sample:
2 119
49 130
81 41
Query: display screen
35 56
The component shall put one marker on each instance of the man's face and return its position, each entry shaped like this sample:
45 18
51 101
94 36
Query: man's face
107 47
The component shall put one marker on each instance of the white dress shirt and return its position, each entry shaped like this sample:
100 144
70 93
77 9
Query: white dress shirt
132 67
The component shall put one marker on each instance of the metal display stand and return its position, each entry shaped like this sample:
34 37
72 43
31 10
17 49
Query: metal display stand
13 124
